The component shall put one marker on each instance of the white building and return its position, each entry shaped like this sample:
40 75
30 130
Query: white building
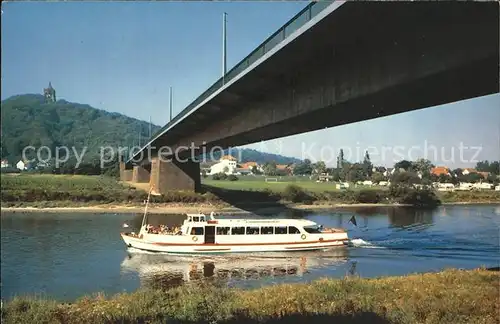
5 164
483 185
227 165
467 171
21 165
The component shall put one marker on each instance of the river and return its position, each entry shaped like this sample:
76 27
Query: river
65 256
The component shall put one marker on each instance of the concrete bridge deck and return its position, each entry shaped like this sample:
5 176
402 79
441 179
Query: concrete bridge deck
334 64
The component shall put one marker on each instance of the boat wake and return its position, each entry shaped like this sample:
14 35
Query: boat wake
362 244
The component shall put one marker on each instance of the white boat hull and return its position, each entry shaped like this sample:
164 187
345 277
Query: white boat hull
174 244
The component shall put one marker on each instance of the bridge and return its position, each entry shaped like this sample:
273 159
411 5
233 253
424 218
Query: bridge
334 63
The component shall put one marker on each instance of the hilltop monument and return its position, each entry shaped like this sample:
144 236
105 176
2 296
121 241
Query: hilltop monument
49 94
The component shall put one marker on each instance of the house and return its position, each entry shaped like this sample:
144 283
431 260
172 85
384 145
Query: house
445 186
285 167
467 171
226 164
22 165
325 177
388 172
250 165
437 171
342 185
483 185
484 174
5 164
465 186
380 169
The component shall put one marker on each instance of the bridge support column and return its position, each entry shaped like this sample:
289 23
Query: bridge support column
140 174
174 175
125 175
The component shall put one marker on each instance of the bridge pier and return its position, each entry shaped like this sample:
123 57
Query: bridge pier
174 175
140 174
125 175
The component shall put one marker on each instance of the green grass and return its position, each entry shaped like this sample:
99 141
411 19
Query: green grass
451 296
35 190
245 183
59 182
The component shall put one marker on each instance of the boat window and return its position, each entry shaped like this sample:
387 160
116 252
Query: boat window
197 231
196 219
237 230
266 230
280 230
202 219
293 230
252 230
223 230
312 229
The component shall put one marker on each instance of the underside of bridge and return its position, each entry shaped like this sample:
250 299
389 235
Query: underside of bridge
364 60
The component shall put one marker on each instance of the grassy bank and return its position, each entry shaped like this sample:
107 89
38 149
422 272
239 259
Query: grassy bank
45 190
260 184
451 296
53 191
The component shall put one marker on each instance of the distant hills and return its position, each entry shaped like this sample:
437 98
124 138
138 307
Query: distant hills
251 155
28 121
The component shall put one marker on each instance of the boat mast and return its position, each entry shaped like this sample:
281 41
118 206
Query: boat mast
146 209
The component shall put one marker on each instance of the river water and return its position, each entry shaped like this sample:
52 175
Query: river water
67 255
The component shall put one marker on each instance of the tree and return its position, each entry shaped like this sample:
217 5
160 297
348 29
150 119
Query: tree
226 169
486 166
270 168
471 177
407 178
304 167
377 177
367 165
255 170
340 159
356 172
320 167
457 172
444 178
404 164
422 165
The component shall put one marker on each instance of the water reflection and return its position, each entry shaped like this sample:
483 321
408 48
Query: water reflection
409 217
167 271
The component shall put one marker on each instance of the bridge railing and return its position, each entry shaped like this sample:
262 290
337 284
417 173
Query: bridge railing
300 19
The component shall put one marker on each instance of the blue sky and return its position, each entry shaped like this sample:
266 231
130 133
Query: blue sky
124 56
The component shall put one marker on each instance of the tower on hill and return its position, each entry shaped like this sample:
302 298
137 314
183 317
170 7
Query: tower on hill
49 94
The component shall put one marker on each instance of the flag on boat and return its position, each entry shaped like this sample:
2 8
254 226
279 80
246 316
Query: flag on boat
353 220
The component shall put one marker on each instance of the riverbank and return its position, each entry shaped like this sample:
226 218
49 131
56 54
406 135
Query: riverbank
451 296
96 193
204 208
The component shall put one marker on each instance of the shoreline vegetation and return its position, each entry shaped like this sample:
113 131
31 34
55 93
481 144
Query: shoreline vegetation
450 296
34 192
205 208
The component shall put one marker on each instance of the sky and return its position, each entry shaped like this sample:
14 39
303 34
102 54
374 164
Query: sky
124 56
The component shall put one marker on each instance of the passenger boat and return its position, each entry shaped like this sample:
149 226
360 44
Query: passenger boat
202 234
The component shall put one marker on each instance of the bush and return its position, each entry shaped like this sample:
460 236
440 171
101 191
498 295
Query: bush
296 194
219 176
367 196
404 194
232 177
